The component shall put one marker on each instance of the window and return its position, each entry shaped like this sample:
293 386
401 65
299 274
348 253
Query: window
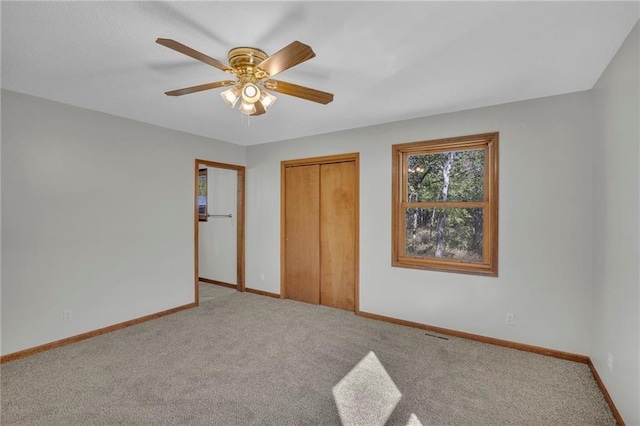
445 205
202 195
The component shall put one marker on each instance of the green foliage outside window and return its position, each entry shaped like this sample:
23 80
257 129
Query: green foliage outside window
440 177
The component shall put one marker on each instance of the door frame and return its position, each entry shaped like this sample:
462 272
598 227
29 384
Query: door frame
240 213
340 158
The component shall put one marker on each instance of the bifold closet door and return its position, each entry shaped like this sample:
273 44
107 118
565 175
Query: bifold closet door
320 233
337 234
302 245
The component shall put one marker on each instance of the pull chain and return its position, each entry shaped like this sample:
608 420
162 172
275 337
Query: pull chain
242 116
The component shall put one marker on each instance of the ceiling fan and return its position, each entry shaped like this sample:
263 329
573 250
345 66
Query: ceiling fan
253 69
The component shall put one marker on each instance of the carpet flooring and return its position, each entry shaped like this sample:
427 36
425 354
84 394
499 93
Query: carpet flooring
207 292
245 359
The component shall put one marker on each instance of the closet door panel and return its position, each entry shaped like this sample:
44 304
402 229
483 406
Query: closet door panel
302 222
337 234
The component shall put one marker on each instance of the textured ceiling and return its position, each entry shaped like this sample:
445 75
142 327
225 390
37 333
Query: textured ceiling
384 61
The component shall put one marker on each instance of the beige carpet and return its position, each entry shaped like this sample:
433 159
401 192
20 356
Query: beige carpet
207 292
245 359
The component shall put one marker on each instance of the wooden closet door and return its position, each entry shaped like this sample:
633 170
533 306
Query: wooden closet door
337 234
302 222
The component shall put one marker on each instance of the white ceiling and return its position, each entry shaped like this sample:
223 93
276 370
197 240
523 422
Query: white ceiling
384 61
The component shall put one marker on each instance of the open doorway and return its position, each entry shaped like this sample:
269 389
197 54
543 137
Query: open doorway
218 229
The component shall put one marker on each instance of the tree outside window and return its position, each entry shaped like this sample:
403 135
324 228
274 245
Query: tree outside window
445 204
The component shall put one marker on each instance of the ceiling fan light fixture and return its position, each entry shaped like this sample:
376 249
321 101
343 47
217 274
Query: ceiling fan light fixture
247 108
231 96
267 99
250 93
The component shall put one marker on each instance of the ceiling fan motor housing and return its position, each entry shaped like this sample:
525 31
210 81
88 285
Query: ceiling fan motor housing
245 60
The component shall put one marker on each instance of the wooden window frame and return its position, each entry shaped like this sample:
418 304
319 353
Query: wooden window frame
400 153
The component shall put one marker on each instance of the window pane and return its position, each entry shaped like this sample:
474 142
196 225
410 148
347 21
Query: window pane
452 233
446 176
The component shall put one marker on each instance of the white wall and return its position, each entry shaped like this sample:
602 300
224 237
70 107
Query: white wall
218 236
97 217
1 351
616 295
545 216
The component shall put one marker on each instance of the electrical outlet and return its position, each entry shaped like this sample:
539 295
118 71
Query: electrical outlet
66 315
510 319
262 277
610 361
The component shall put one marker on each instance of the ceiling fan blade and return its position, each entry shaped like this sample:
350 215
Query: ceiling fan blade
299 91
259 108
199 88
287 57
179 47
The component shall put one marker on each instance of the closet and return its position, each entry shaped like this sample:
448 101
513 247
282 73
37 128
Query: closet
320 230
